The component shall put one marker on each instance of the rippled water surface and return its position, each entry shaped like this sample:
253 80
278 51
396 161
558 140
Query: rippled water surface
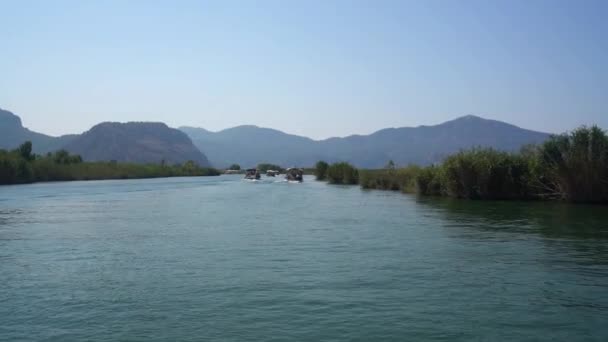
219 258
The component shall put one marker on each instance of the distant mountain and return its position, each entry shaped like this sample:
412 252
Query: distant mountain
136 142
142 142
249 145
13 134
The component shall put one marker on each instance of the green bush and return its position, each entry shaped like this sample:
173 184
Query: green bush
574 166
428 181
403 179
321 170
20 166
342 173
486 174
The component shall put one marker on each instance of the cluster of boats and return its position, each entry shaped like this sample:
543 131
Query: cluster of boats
291 174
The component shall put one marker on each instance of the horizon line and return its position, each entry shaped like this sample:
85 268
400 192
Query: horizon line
180 127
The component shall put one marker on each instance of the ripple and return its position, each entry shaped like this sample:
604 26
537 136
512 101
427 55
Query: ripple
222 259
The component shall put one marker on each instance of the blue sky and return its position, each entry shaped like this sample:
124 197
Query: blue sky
315 68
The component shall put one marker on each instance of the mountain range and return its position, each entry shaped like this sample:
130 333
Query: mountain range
146 142
423 145
133 142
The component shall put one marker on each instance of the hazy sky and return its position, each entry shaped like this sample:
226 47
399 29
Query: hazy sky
315 68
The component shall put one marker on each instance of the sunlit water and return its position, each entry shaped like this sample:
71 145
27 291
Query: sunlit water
219 258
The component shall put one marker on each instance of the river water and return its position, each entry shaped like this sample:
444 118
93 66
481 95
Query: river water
219 258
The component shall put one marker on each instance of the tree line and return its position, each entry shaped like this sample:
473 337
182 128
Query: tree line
21 166
571 167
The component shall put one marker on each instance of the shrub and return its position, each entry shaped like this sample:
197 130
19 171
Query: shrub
428 181
342 173
403 179
321 170
574 166
20 166
485 174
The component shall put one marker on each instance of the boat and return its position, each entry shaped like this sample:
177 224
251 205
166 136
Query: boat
252 174
294 174
272 173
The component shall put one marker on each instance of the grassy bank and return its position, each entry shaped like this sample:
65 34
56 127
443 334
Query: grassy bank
570 167
397 179
20 166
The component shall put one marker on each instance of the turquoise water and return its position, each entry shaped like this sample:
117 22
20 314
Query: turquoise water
218 258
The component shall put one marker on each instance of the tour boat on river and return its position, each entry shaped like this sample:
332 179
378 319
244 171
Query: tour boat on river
294 174
252 174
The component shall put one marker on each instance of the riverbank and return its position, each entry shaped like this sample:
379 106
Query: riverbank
569 167
20 166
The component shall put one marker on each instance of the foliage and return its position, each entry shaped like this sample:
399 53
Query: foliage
236 167
321 170
20 166
574 166
64 157
342 173
428 181
403 179
486 174
473 174
25 151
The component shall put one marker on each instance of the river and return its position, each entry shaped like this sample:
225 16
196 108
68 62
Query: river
219 258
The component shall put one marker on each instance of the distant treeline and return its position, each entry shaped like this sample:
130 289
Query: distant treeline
263 167
571 167
22 166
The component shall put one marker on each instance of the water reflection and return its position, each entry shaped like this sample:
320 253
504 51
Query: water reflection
555 220
577 231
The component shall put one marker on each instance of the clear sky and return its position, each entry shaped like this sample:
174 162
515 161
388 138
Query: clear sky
316 68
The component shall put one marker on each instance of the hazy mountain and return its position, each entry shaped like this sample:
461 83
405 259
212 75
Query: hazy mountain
249 145
136 142
13 134
429 144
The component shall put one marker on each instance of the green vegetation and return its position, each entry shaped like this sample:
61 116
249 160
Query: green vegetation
428 181
486 174
321 170
571 167
21 166
574 167
235 167
342 173
403 179
263 167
